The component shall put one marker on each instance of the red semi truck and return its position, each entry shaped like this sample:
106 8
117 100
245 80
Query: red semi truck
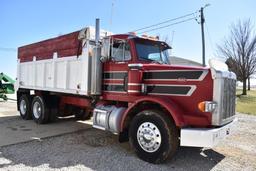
128 86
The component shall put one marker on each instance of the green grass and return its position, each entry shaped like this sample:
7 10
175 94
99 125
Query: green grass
246 103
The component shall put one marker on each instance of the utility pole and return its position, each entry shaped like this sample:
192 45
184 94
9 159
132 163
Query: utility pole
202 32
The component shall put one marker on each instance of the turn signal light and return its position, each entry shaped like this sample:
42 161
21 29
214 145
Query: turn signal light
207 106
201 106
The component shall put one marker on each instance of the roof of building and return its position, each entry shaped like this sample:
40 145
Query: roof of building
182 61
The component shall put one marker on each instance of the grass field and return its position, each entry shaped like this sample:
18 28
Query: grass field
246 104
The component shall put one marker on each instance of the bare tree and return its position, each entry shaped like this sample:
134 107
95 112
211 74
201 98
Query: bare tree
249 83
234 67
240 51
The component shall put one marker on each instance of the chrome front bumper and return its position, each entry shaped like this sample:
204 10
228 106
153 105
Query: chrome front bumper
205 137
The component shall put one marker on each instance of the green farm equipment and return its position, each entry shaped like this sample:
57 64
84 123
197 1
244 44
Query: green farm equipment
6 86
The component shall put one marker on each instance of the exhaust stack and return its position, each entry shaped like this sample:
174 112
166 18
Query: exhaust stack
97 31
96 74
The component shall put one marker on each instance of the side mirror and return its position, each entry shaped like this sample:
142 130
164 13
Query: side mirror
103 59
105 50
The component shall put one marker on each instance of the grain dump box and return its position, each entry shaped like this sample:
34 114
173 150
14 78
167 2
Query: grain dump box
61 64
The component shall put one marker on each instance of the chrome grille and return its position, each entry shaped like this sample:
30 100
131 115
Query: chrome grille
228 98
224 94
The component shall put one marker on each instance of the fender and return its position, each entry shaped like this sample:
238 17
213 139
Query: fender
175 112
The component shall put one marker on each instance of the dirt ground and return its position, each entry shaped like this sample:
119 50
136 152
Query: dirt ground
15 130
91 149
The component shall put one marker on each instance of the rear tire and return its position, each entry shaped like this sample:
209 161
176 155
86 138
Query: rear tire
53 105
53 115
82 114
153 136
25 107
40 111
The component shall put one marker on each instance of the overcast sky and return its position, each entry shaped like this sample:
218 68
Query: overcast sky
27 21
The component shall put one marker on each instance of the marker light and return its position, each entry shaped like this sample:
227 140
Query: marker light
144 36
132 33
207 106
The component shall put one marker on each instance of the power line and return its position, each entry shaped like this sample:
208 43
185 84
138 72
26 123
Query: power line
8 49
209 36
179 22
166 21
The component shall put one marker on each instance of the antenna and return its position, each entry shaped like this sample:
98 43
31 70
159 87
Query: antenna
111 15
172 37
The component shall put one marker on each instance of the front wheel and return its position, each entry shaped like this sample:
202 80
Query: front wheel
153 136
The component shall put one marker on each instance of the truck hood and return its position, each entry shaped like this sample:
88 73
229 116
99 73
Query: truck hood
155 66
164 72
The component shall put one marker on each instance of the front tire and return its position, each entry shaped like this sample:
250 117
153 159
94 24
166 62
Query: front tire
40 111
153 136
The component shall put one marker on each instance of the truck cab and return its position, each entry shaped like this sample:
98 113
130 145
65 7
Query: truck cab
128 86
139 67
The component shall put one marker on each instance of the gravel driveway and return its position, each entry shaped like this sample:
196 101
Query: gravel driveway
97 150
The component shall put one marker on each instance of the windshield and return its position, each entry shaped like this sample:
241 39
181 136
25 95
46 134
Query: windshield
153 51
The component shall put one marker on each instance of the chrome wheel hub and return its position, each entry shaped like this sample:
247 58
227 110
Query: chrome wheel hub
23 107
37 111
149 137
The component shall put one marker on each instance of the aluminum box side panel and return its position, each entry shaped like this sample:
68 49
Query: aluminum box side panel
66 75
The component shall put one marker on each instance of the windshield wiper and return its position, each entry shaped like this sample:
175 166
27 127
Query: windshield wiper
146 59
153 61
158 62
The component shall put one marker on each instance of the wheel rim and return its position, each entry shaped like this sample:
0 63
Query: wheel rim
37 110
149 137
23 107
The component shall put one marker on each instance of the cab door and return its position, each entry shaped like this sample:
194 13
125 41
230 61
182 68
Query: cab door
115 71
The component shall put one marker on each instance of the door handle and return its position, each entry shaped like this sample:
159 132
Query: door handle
125 83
